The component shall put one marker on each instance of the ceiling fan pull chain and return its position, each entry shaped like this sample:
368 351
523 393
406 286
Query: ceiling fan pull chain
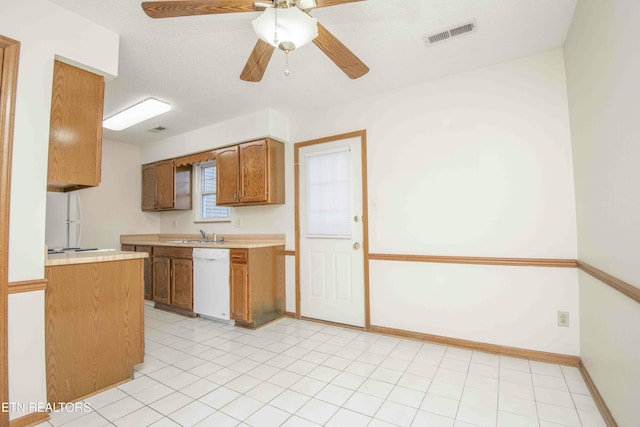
286 63
275 28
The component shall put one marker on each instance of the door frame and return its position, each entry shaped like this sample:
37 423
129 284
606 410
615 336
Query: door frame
8 81
362 134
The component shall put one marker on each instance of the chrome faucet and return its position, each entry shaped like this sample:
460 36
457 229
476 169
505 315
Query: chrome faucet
204 235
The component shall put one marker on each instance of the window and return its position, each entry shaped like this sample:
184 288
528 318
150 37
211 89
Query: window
328 178
205 195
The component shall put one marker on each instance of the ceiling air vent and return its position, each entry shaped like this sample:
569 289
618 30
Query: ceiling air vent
156 129
448 34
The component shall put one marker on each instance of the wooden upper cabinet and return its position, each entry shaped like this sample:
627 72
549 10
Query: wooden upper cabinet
148 187
227 175
258 170
166 187
75 134
253 172
165 184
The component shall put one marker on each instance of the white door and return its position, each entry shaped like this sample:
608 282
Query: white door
331 232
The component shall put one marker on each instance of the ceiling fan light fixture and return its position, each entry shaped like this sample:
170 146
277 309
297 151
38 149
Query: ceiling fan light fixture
294 28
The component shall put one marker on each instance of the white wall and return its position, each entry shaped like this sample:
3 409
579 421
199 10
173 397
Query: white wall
113 208
263 123
45 31
475 164
602 66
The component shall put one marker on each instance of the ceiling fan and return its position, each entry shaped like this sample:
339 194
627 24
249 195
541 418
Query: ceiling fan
257 63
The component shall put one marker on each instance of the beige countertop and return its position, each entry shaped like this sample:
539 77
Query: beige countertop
89 257
238 241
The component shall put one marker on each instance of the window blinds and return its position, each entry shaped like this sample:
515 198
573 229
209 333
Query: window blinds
208 207
328 196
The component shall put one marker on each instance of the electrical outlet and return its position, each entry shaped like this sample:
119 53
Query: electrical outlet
563 318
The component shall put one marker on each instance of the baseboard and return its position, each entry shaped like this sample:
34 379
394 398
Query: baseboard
329 323
540 356
290 314
607 416
29 420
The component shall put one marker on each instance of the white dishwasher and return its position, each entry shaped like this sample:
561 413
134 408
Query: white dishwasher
211 295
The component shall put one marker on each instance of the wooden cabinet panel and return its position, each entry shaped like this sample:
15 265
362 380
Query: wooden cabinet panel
148 268
148 187
94 332
182 283
227 175
239 292
257 285
161 279
148 272
165 181
75 136
173 252
253 172
173 278
166 187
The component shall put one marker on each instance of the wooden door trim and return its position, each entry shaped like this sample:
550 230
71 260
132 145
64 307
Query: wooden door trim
8 83
362 134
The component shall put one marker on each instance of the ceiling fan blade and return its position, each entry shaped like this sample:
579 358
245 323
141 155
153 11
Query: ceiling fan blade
257 63
348 62
173 8
325 3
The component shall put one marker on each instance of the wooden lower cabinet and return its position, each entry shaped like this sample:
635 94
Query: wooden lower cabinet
94 326
148 272
182 283
173 278
239 284
257 281
148 268
161 279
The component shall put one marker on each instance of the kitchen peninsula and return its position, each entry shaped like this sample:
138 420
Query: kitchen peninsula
94 330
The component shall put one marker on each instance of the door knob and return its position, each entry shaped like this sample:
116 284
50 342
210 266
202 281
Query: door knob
356 245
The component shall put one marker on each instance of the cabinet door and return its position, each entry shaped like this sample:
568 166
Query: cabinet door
182 281
239 292
165 181
227 175
148 187
148 272
75 134
161 279
253 172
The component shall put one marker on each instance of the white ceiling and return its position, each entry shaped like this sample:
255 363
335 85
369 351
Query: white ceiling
195 62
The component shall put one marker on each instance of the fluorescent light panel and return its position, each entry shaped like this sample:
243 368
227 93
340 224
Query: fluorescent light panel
140 112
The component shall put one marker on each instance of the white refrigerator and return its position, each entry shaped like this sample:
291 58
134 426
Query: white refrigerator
64 220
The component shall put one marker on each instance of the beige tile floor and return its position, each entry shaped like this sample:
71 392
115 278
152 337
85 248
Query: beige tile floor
297 373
